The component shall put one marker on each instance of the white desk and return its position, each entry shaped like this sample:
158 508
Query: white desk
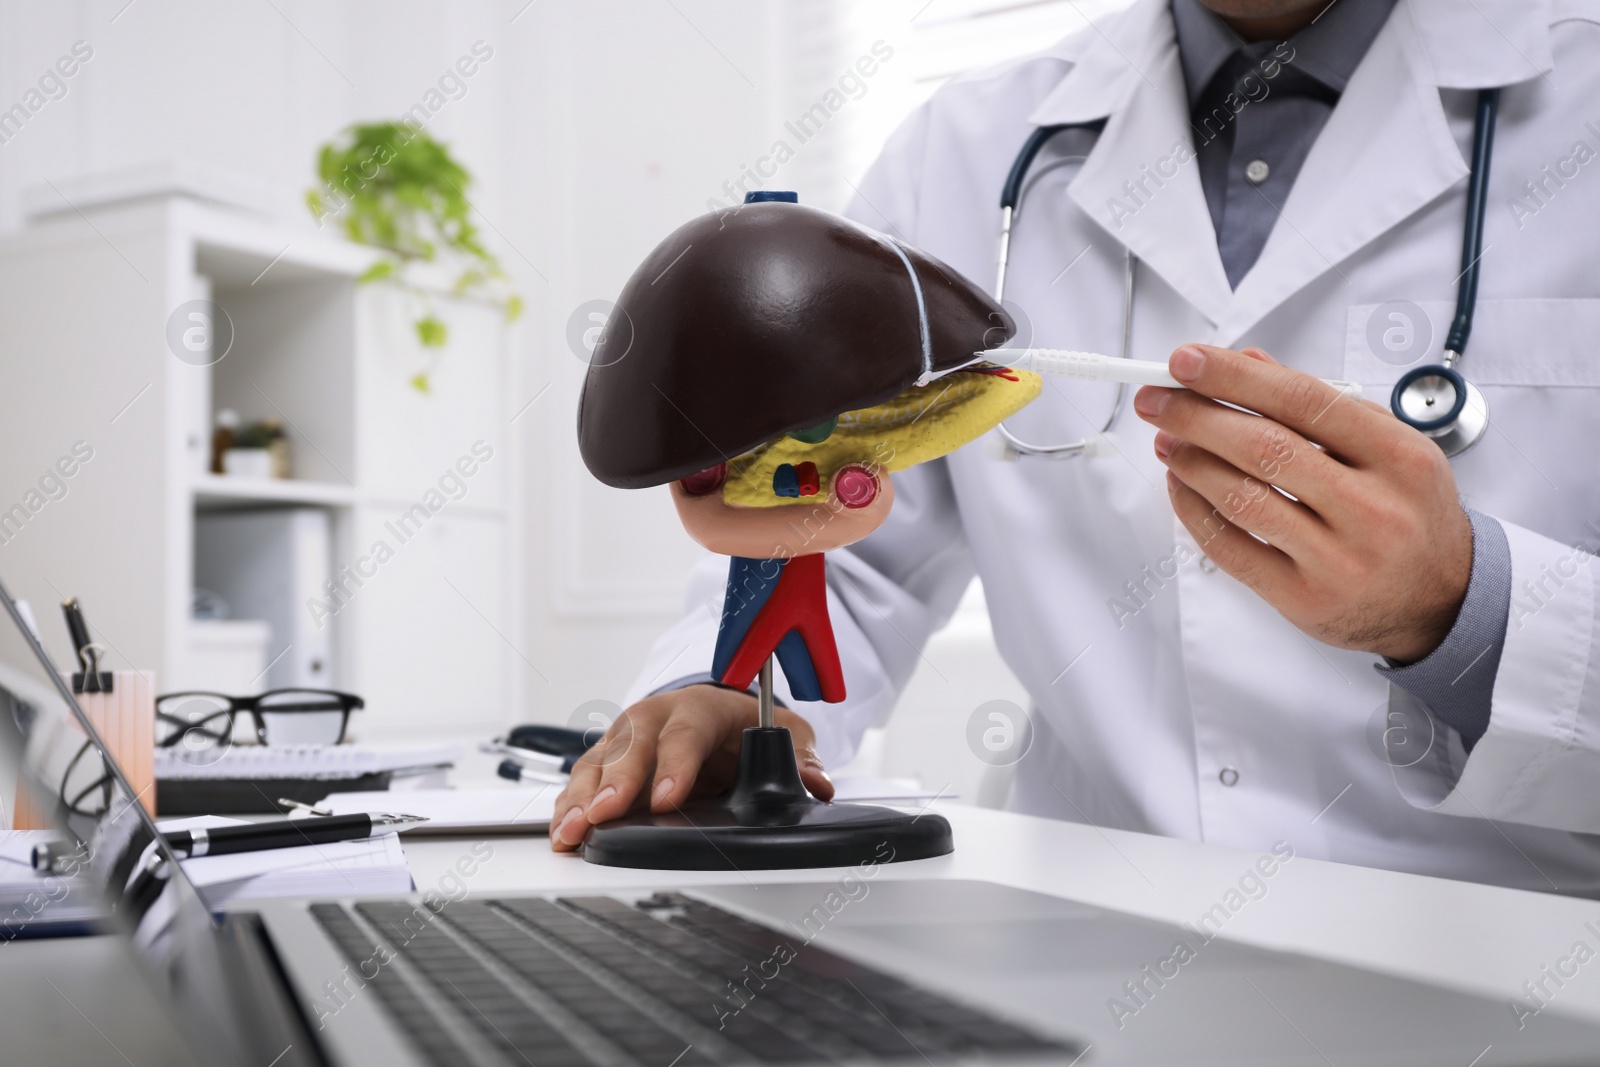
1476 938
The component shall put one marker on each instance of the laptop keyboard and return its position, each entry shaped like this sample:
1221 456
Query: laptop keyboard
669 982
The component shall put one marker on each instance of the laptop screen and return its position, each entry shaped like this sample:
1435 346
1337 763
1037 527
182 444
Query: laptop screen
57 775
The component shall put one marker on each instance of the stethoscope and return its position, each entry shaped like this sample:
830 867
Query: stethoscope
1436 400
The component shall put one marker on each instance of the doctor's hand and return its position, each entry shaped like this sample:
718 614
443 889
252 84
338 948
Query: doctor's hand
1361 543
665 749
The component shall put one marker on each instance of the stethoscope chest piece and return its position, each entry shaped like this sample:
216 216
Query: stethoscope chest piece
1439 402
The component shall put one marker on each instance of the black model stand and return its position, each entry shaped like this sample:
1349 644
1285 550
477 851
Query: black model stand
767 822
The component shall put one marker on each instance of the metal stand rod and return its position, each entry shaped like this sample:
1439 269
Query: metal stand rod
765 695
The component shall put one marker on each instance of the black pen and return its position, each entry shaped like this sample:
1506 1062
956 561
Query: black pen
285 833
77 629
56 856
89 678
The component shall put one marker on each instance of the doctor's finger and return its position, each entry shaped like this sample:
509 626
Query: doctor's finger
574 800
1305 404
1245 501
687 742
1258 446
625 766
812 774
1261 567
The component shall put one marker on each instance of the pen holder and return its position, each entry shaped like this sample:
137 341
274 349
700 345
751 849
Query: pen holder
126 720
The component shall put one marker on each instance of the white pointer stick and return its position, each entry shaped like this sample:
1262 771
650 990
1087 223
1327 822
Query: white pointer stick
1093 367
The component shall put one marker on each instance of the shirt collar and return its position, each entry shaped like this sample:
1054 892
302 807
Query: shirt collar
1449 45
1329 49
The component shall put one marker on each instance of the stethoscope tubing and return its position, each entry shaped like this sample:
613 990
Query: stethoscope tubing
1483 125
1011 193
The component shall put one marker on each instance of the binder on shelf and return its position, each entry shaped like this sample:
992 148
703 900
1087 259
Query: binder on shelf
268 564
227 655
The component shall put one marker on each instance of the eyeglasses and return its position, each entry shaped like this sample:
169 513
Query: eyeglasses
202 721
86 785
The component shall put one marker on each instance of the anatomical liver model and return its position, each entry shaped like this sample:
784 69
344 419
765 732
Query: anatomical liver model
774 364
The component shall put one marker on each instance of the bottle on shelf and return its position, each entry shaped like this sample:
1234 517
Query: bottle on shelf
277 448
222 437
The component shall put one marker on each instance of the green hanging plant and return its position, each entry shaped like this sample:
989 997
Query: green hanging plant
395 188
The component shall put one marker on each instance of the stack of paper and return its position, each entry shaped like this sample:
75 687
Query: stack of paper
298 761
342 868
508 810
27 896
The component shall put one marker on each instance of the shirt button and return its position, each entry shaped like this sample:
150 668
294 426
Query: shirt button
1228 776
1256 171
1208 564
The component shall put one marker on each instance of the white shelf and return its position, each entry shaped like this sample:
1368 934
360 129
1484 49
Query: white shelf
221 490
329 358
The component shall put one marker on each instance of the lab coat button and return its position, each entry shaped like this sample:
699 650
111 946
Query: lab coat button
1256 171
1228 776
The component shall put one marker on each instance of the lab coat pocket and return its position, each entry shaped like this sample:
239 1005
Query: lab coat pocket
1518 343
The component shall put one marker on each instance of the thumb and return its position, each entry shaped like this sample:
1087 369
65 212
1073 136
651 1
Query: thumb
815 779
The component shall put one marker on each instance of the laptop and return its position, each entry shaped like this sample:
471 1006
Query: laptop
856 969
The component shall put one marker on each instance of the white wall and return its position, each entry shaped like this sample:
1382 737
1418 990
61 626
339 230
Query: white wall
593 130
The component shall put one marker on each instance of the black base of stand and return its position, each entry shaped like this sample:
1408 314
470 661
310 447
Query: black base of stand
768 822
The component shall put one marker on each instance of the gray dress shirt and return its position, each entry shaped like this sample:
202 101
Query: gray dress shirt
1256 110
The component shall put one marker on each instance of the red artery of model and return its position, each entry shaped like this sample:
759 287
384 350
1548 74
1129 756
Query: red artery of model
796 605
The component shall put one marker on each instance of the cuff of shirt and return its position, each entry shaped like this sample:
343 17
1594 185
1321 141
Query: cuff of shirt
1456 680
706 678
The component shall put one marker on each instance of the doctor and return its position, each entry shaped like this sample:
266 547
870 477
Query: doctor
1310 626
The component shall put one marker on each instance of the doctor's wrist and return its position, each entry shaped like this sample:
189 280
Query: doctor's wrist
706 678
1438 599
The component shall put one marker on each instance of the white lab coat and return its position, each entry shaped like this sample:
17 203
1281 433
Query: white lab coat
1196 675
